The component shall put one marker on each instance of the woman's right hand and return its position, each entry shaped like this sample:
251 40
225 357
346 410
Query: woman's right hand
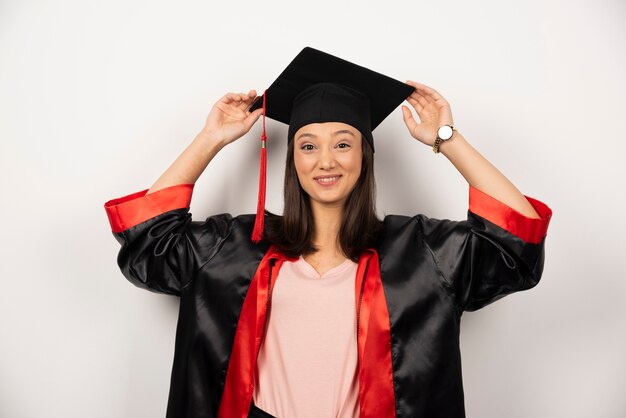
230 119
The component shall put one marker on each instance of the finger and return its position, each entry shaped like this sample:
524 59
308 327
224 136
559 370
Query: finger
423 103
233 97
251 118
225 98
228 98
244 102
250 96
418 102
423 97
420 97
409 120
429 91
415 84
419 94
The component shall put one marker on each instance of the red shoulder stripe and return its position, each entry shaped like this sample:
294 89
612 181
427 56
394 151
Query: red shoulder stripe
531 230
130 210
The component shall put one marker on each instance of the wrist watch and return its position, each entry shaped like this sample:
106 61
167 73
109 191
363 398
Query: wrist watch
443 134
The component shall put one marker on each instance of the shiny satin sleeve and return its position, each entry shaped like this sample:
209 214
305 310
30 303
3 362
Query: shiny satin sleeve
161 246
495 252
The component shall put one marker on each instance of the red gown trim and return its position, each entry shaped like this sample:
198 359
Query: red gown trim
376 390
530 230
239 385
130 210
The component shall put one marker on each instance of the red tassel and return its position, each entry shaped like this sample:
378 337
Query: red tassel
257 233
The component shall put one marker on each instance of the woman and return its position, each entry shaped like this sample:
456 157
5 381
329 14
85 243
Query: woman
390 348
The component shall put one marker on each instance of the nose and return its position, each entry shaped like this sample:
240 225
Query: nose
327 159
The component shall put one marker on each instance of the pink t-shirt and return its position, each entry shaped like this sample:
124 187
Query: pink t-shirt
307 365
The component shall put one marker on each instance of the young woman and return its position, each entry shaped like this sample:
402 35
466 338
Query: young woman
335 313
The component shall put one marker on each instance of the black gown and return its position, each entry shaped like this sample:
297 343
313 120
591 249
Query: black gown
411 290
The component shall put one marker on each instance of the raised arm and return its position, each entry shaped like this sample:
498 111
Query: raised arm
162 248
228 120
499 249
434 111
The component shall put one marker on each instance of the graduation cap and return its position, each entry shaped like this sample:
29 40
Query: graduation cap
318 87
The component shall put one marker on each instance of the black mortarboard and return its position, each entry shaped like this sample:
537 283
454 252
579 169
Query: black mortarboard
319 87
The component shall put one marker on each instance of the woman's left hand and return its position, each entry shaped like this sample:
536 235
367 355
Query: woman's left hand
432 109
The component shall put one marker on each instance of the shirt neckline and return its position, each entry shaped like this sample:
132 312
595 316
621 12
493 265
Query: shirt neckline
311 272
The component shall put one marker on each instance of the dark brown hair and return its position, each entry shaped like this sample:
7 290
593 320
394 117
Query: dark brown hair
292 233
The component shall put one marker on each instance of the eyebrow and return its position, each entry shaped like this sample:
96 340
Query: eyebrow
341 131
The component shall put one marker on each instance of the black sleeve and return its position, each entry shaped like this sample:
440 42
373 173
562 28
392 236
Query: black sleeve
161 246
495 252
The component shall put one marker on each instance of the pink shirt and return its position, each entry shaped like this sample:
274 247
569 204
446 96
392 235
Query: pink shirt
307 365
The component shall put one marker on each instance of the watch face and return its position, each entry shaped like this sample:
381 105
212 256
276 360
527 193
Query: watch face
444 132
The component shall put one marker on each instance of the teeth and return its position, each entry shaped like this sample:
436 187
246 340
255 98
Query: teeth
328 179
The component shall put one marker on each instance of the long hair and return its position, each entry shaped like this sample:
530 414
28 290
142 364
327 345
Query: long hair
292 233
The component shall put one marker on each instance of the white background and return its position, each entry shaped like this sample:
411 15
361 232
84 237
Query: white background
98 98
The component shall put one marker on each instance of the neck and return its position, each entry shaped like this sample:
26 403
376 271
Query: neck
327 220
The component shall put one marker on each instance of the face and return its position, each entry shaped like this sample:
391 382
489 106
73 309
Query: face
325 150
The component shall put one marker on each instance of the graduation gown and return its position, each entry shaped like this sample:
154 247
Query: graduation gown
410 292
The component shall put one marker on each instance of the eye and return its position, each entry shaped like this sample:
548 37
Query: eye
344 143
306 145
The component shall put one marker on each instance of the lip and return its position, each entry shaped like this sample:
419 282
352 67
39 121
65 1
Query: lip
325 177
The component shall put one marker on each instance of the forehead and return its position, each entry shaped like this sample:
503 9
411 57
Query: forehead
325 129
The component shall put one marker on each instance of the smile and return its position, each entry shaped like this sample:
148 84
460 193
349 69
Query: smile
328 181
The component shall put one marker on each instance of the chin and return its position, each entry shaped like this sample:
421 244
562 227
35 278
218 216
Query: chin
328 200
